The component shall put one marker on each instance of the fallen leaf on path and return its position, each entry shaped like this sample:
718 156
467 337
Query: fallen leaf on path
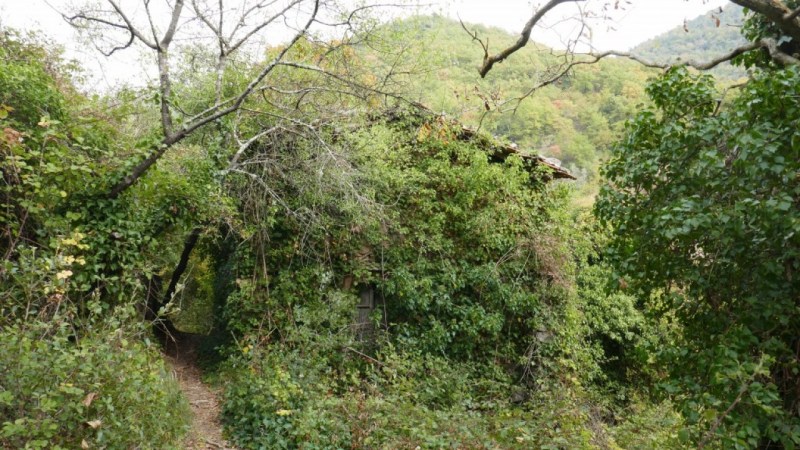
89 399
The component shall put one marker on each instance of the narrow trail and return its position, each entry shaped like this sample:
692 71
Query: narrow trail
206 429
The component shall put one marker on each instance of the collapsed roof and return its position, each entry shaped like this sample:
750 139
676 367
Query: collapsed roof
498 151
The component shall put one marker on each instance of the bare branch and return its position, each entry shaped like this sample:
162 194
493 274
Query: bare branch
780 14
226 48
222 44
216 29
490 61
173 24
792 15
708 65
218 112
237 102
342 79
119 47
128 24
72 20
163 65
245 14
131 27
474 36
149 16
243 146
261 26
83 16
355 12
574 59
264 185
768 44
221 16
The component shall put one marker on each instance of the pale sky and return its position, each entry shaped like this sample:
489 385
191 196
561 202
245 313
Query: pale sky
639 21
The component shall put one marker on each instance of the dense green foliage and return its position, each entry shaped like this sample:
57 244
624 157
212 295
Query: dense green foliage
480 329
104 388
709 187
711 194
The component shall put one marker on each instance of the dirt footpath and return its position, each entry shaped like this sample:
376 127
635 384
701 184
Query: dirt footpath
206 430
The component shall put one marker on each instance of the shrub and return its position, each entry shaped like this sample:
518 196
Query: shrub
408 400
61 387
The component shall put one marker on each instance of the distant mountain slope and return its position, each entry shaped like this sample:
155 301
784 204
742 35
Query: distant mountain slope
700 40
575 120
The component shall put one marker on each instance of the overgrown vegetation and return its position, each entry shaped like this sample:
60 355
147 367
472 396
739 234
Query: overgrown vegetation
371 274
461 339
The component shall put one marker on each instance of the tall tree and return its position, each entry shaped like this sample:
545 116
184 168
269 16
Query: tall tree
702 193
236 30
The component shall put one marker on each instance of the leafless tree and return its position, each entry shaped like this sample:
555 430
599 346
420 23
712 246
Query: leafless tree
233 28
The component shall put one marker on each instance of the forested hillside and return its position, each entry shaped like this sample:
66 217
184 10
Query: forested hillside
701 39
361 243
575 120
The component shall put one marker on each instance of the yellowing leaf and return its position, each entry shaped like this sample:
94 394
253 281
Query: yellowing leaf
95 424
64 274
